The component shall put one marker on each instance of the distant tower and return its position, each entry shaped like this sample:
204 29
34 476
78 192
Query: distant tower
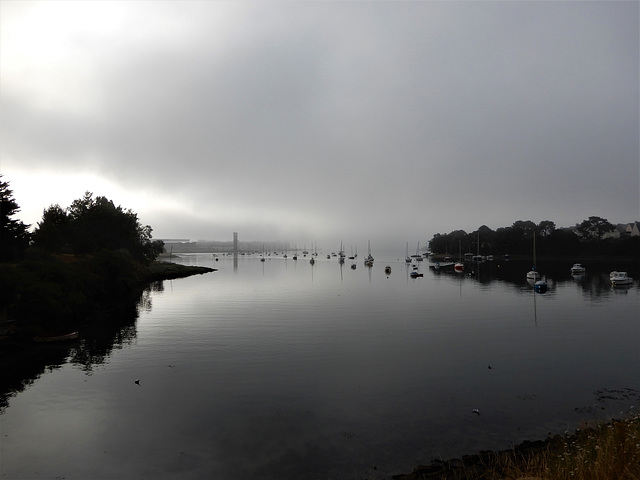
235 244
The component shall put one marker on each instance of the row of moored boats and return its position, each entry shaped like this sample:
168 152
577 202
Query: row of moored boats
617 278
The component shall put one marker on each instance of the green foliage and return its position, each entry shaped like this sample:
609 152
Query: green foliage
91 225
14 234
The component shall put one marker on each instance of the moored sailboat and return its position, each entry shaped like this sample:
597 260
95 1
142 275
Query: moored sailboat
533 274
368 261
459 266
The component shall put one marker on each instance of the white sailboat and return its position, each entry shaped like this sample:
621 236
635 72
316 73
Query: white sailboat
533 274
407 258
418 256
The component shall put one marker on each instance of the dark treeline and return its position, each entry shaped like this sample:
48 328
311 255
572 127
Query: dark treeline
593 236
80 261
91 225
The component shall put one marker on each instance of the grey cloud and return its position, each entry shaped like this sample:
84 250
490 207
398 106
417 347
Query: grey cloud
369 114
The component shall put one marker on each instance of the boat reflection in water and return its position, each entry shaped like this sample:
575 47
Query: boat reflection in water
292 371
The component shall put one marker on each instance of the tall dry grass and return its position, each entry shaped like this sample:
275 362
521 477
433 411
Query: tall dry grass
609 451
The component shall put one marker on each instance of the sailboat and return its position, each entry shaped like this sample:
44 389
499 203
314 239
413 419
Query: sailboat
478 257
369 260
459 266
418 256
407 258
533 274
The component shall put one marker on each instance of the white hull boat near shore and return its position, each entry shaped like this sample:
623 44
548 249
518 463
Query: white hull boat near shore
619 279
577 269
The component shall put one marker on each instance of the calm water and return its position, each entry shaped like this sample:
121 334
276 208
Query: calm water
281 370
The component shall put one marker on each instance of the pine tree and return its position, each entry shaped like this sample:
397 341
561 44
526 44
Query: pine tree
14 234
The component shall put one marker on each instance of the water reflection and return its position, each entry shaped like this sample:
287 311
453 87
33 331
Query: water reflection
282 370
593 283
22 361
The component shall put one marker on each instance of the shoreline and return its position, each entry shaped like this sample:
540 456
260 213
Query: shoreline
103 291
161 270
601 450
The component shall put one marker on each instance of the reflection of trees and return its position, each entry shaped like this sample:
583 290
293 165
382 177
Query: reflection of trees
23 362
595 283
116 330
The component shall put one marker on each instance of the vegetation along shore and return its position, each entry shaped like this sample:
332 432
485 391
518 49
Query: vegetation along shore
79 262
602 451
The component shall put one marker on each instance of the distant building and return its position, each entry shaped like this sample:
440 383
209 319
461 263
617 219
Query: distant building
168 241
633 229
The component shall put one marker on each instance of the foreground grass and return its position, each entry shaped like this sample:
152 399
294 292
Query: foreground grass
609 451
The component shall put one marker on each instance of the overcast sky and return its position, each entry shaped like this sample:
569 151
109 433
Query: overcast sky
323 121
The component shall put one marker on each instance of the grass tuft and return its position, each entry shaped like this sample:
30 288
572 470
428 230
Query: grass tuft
602 451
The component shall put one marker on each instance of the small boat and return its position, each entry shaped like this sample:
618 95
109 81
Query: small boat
56 338
540 286
387 269
532 275
620 279
577 269
415 274
407 258
353 266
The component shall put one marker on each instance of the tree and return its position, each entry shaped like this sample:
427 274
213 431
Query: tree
593 228
14 234
527 227
546 228
92 225
52 232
